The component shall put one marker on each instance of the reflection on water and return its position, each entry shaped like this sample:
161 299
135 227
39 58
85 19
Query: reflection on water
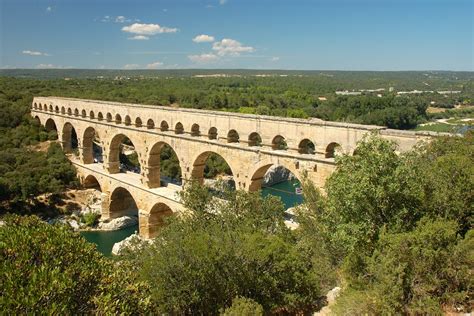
286 191
105 240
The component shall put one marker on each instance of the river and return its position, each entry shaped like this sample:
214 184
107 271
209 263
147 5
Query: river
105 240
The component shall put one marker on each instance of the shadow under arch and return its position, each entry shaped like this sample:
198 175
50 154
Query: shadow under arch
91 182
200 168
115 149
258 174
91 148
69 138
162 166
156 219
122 203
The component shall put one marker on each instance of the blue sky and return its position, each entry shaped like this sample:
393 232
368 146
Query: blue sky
256 34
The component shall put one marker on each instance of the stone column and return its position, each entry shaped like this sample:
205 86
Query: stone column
105 205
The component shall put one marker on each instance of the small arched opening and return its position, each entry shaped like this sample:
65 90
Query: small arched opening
118 119
212 134
69 139
91 147
91 115
100 116
56 109
179 129
164 127
279 143
76 112
35 106
233 136
333 150
128 120
63 110
50 108
163 166
306 147
84 113
69 111
195 130
109 117
138 122
255 139
150 124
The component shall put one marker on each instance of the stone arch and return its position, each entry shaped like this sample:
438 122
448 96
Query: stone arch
150 124
89 146
50 125
199 164
84 113
40 107
38 120
179 129
113 157
91 182
122 203
279 143
156 220
332 150
91 115
138 122
56 109
212 134
258 173
109 117
306 147
100 116
69 111
195 130
118 119
153 170
35 105
233 136
128 120
69 138
164 127
76 112
63 110
255 139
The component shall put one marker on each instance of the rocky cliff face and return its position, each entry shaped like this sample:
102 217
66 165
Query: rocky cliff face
277 174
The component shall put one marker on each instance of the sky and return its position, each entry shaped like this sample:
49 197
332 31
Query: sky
248 34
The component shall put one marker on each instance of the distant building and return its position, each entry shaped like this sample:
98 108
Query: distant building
345 92
322 99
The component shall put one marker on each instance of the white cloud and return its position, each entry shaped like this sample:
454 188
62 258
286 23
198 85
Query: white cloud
148 29
222 2
118 19
155 65
34 53
275 58
203 38
121 19
231 47
203 58
49 9
131 66
139 38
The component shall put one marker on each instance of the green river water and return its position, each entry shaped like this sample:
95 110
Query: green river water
106 240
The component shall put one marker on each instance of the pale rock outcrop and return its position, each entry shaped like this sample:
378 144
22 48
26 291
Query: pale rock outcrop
276 174
132 242
118 223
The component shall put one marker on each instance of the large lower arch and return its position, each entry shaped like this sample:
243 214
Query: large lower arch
258 174
91 182
156 220
114 158
51 128
69 138
122 203
91 150
199 166
156 169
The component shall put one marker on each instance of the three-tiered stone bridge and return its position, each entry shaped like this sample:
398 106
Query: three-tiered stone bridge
250 144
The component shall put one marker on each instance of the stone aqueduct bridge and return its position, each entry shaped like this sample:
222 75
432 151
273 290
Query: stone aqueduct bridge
250 144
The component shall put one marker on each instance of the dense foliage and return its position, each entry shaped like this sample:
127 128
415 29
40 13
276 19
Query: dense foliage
48 269
398 226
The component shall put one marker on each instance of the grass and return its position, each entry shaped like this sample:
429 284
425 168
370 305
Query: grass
438 127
